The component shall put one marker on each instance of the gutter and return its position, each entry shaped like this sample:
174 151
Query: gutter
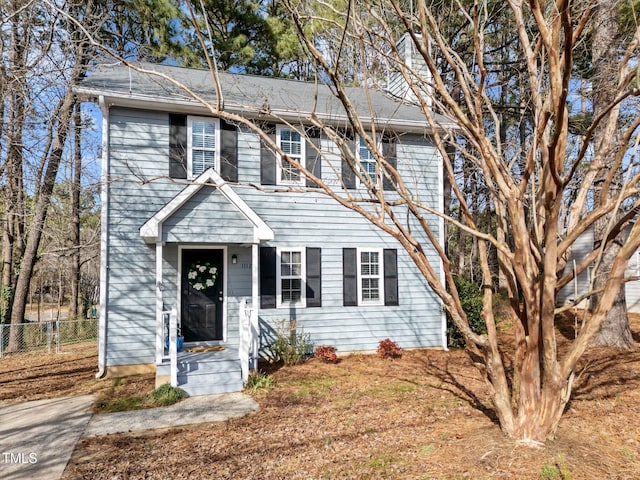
104 264
150 102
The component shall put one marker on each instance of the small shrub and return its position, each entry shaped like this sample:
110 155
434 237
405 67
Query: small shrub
117 401
122 404
471 300
292 345
167 395
557 471
387 348
326 353
259 381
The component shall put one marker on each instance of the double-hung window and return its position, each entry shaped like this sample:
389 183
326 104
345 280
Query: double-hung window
203 144
292 144
367 161
290 286
370 277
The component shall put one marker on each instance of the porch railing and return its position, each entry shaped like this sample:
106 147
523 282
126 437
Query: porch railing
173 345
248 344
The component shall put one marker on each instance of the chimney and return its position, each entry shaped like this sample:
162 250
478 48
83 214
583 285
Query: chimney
416 67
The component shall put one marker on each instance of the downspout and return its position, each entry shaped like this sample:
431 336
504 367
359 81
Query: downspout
104 264
442 239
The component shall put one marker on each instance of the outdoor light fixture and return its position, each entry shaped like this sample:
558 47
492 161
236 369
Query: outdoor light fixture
234 258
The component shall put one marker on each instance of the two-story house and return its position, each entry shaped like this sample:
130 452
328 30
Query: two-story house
201 219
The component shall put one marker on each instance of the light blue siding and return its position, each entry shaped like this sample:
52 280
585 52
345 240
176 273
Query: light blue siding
414 323
632 288
139 188
138 152
582 247
208 217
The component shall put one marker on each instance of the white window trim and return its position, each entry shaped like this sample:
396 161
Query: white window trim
303 156
216 122
360 183
380 276
303 275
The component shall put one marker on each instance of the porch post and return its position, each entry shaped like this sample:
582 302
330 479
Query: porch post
255 305
159 319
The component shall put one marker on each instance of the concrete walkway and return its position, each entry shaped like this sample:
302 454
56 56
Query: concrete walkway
202 409
37 438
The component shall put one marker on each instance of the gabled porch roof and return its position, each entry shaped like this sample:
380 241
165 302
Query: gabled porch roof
151 231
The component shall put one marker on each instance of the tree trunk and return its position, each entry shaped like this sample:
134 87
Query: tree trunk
75 218
13 228
40 214
615 331
60 133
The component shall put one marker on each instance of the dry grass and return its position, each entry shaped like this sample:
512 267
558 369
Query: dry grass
39 375
425 415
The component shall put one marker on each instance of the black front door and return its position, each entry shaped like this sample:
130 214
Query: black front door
202 295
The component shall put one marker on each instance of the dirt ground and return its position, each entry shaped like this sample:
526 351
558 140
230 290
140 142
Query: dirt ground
39 375
423 416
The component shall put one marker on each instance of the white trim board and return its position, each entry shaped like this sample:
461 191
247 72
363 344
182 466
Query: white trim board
151 231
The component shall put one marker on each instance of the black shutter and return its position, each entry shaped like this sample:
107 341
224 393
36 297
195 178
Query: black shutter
348 175
268 158
228 152
314 277
267 277
177 146
313 160
389 153
390 277
349 277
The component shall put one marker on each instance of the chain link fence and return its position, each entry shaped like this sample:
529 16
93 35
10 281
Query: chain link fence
51 336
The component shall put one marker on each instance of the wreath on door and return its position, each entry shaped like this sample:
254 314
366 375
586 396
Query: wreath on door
202 275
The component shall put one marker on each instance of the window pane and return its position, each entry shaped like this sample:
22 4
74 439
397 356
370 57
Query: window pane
289 173
203 134
370 289
290 142
363 151
369 264
369 169
201 160
291 290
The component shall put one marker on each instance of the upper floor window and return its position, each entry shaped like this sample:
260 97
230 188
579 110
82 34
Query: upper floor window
203 145
293 145
367 161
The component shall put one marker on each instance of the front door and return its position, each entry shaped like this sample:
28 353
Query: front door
202 295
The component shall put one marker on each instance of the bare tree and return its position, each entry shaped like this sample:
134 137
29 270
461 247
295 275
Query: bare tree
527 186
529 196
36 22
606 44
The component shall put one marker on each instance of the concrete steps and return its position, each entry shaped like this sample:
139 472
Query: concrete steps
205 373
